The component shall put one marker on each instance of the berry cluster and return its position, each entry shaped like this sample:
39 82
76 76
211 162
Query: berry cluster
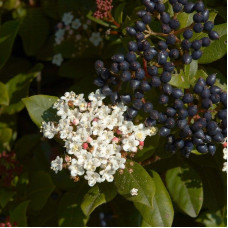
146 70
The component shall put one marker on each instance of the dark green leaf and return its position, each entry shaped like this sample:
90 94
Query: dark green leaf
40 108
8 34
96 196
5 196
135 176
40 188
4 98
18 215
5 134
34 30
185 187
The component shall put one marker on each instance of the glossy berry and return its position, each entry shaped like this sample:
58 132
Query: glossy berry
207 116
178 104
198 27
206 15
160 7
139 95
206 103
171 39
137 104
188 34
141 13
218 137
131 31
189 7
206 42
199 134
182 123
167 89
177 7
125 76
135 65
106 90
132 113
99 82
135 84
182 114
202 149
145 86
169 66
139 36
198 17
140 74
126 99
177 93
179 143
174 24
148 107
163 99
150 54
215 89
140 26
187 98
152 70
166 29
197 54
199 6
124 65
174 54
208 26
165 18
164 131
170 123
170 111
154 114
211 149
147 18
165 76
150 6
196 44
162 58
211 79
187 59
162 118
155 81
149 122
192 110
213 35
132 46
162 45
118 58
130 57
223 98
186 45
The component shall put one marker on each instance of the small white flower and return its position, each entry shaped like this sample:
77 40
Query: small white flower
134 191
57 59
76 24
95 38
67 18
57 164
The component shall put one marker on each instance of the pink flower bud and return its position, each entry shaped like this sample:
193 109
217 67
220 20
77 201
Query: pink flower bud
118 132
95 119
85 146
115 140
141 143
67 158
89 140
75 122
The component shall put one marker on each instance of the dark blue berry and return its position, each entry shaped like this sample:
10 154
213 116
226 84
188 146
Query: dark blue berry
135 65
174 24
150 6
147 18
206 103
171 39
186 45
165 76
177 7
187 59
165 18
211 79
223 98
211 149
189 7
197 141
169 66
149 122
199 134
188 33
173 1
166 29
126 99
131 31
215 89
206 93
125 76
174 54
183 2
199 6
218 137
141 13
99 82
170 111
132 113
118 58
188 98
213 35
198 17
155 81
177 93
222 114
186 131
167 89
163 99
179 143
154 114
106 90
140 26
201 81
162 45
206 42
162 58
208 26
114 97
202 148
160 7
115 67
182 114
215 98
207 139
139 95
178 104
124 65
149 54
140 74
198 27
170 123
206 15
197 54
130 57
192 110
196 44
145 86
137 104
207 116
182 123
164 131
152 70
139 36
132 46
105 74
148 107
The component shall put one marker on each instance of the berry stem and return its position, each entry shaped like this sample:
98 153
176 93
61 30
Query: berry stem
145 68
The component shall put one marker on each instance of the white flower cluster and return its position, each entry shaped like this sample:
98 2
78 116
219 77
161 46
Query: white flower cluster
224 169
96 136
134 191
68 29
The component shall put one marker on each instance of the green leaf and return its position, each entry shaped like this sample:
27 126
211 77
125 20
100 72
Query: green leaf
135 176
18 215
185 187
179 80
8 33
5 135
18 88
218 48
40 188
5 196
190 70
118 12
40 108
4 98
34 30
96 196
162 213
69 211
185 19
